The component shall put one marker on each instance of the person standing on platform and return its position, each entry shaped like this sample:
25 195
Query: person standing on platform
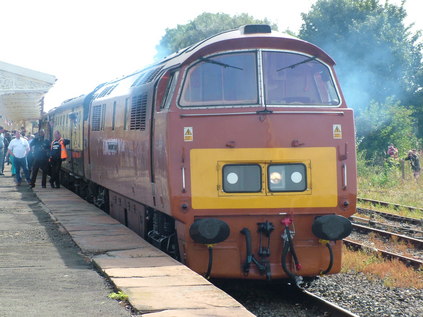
58 153
41 151
2 147
30 157
19 149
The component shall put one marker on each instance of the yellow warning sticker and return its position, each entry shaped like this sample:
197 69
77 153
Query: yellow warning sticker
188 134
337 131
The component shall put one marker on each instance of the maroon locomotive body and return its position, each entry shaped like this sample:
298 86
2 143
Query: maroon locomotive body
235 155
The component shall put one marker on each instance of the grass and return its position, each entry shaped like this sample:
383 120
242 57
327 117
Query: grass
386 183
120 296
393 273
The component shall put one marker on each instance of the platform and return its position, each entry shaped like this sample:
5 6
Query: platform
157 285
42 271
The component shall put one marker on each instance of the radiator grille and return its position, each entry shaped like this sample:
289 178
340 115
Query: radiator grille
138 112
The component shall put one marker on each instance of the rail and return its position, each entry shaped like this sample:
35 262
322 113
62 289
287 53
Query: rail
333 309
416 242
415 263
373 223
387 204
389 216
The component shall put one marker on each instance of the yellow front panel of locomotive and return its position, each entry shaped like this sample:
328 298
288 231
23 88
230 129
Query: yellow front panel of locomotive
206 178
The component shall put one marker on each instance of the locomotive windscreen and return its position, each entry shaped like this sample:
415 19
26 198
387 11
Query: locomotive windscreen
297 79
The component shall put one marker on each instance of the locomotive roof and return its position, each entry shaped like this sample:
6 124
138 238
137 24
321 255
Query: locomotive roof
249 37
245 37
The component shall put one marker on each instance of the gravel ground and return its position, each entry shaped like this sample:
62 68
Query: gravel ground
269 300
355 292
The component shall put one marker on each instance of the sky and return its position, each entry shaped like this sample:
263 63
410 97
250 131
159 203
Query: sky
87 42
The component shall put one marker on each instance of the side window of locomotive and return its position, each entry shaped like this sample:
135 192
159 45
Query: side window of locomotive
170 90
294 79
229 79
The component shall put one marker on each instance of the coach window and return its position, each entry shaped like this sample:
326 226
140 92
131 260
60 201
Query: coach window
294 79
222 80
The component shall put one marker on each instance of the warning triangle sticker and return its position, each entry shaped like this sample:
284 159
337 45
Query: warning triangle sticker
188 134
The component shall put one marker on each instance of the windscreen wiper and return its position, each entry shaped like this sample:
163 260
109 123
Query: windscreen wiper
208 60
299 63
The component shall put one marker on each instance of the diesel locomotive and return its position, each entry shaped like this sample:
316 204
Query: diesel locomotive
235 155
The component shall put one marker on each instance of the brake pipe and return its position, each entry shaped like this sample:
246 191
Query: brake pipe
283 261
292 249
327 243
289 246
209 266
249 259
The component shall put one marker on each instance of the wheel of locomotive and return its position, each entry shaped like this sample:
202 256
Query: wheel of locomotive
100 197
77 186
84 191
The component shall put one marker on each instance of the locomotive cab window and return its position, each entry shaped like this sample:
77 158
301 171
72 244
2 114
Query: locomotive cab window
294 79
229 79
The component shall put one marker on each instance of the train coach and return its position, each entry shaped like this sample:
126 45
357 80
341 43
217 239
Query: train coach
235 155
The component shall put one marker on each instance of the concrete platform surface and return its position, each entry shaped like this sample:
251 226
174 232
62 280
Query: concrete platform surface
42 271
157 285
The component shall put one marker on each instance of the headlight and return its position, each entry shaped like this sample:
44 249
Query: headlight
287 178
244 178
275 178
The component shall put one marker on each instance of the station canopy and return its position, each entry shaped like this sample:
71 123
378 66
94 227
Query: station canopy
21 92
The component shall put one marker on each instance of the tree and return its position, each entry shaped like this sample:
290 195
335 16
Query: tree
384 123
378 56
202 27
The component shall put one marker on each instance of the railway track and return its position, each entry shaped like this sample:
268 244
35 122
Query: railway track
362 227
328 307
417 243
413 231
389 216
387 204
409 261
276 299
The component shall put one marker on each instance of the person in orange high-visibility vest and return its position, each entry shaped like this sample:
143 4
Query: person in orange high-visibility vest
58 154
